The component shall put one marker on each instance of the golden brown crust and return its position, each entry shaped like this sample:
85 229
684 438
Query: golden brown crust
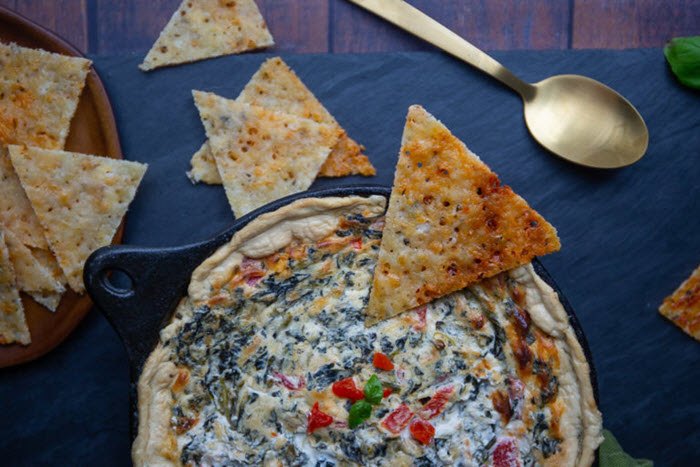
582 423
345 159
155 444
683 306
305 220
450 222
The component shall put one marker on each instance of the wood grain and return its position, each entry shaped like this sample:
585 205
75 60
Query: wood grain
489 24
297 26
303 26
66 18
622 24
129 25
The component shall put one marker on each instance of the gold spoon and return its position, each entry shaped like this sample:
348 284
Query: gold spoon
575 117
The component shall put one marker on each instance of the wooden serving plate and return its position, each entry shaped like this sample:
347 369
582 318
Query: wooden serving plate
92 131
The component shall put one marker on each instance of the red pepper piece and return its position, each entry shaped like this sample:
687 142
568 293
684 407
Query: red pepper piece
422 431
437 403
317 419
506 454
346 389
398 419
290 382
387 392
382 362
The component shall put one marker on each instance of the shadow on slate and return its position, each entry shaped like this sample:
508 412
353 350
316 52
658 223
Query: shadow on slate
629 236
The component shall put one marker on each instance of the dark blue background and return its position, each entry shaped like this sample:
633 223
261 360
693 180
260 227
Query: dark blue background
629 236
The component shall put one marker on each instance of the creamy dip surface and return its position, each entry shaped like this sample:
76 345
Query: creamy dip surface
255 359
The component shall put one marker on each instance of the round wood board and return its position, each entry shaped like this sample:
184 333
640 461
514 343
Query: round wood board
92 131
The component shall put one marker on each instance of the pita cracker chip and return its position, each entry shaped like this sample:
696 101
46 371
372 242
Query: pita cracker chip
204 167
13 326
683 306
262 155
202 29
48 262
450 222
16 213
275 86
50 301
30 274
39 92
79 200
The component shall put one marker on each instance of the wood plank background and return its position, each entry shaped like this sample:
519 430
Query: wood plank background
336 26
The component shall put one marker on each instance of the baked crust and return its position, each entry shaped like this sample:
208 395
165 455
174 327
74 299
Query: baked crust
312 219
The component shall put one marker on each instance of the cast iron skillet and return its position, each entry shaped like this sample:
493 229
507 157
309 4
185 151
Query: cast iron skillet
160 276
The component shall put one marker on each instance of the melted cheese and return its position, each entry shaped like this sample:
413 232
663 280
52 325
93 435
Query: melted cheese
285 328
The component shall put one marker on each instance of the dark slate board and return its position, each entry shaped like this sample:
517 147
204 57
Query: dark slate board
629 236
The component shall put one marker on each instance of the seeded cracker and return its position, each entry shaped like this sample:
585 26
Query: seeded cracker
262 155
16 213
50 300
450 222
275 86
13 327
202 29
683 306
204 166
31 275
78 199
39 92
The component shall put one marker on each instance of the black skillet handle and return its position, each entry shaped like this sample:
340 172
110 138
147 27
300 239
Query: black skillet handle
159 278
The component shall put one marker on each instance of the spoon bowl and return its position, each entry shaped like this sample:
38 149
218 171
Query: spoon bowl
585 122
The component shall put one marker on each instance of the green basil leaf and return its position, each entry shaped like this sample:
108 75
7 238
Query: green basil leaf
683 54
611 454
359 412
374 390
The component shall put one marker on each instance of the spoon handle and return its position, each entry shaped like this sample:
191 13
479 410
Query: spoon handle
419 24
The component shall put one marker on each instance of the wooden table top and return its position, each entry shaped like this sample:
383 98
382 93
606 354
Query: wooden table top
336 26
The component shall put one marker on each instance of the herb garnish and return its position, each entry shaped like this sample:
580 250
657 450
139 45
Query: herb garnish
683 54
359 412
374 390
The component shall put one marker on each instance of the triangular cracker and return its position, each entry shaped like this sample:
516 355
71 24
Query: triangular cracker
79 200
275 86
48 261
50 301
450 222
262 155
13 326
16 213
31 275
683 306
204 167
39 92
202 29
